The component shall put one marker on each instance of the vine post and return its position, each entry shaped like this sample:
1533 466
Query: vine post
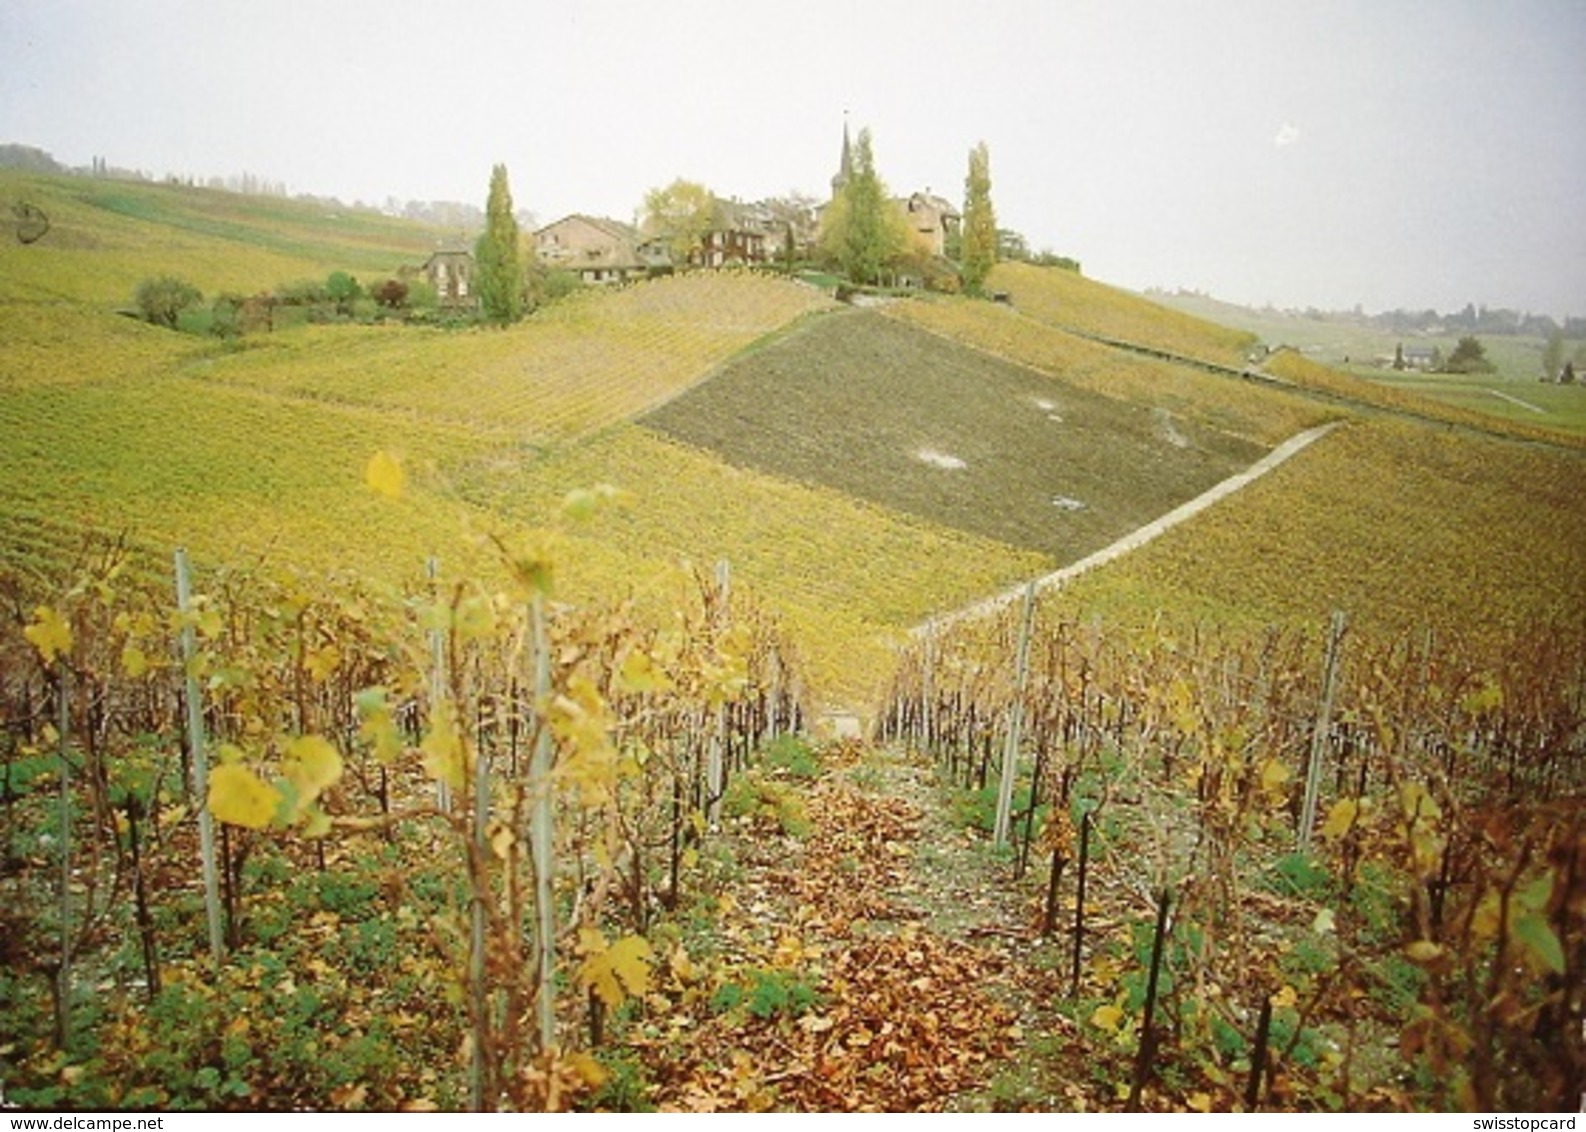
477 955
63 975
1147 1051
1010 753
195 744
540 829
1324 717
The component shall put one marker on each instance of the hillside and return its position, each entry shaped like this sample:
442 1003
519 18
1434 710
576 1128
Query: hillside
874 408
106 236
258 450
561 821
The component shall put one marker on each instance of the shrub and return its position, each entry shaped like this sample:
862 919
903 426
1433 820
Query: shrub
162 299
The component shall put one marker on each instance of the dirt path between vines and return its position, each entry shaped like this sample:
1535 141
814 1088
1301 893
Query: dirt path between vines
879 961
1138 537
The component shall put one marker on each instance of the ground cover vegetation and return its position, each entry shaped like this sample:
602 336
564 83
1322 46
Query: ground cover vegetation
540 826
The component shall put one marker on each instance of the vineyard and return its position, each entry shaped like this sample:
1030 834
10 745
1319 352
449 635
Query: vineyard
475 751
1312 850
106 236
576 367
1066 300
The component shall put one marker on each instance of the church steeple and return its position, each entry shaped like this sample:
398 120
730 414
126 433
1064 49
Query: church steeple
845 169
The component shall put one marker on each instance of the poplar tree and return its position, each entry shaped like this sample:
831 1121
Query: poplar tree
499 272
980 222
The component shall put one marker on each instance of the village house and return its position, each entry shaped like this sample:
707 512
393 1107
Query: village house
744 234
932 219
599 250
451 273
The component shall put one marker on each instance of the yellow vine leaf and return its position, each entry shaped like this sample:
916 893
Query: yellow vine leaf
640 675
322 663
617 970
1423 951
134 662
1274 775
1107 1017
1340 817
443 749
311 764
376 725
1417 802
49 633
384 475
237 796
501 840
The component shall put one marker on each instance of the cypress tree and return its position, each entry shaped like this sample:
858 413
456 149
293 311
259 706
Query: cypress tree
980 222
499 272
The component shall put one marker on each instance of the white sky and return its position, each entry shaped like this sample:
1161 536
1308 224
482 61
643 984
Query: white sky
1392 153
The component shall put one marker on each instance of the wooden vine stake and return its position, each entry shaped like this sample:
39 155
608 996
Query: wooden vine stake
1010 753
1324 717
1079 901
715 774
200 757
1142 1061
1258 1059
477 964
443 792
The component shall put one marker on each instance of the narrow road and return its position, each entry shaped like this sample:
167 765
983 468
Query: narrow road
1138 537
1517 401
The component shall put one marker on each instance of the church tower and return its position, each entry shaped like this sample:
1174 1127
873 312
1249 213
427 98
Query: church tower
845 168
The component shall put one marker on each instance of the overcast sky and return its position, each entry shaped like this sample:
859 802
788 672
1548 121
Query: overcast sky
1392 153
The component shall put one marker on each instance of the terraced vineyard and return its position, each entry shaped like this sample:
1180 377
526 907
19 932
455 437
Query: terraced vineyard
572 368
1067 300
107 236
1242 409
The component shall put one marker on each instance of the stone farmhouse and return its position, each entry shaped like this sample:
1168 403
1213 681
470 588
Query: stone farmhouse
451 273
